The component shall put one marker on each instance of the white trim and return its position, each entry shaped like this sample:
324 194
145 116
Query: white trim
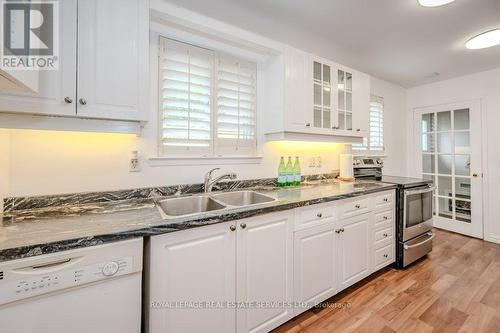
493 239
219 160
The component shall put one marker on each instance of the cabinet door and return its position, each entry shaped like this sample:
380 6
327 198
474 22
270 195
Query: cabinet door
314 264
361 103
264 271
354 244
298 93
54 86
196 265
113 72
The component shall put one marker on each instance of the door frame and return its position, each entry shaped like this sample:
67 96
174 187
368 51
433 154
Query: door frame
475 107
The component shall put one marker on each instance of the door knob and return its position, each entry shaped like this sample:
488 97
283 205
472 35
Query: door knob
83 101
243 225
68 99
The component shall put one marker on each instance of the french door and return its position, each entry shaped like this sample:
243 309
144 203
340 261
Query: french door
448 146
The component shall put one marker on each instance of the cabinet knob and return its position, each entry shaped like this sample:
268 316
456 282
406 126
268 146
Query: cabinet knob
358 206
83 101
335 127
68 99
475 175
358 130
385 255
385 235
320 215
385 218
308 125
385 199
243 225
337 231
341 229
232 228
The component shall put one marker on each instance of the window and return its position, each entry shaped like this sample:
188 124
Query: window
207 102
375 140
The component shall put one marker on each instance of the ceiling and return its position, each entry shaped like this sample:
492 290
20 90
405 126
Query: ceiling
395 40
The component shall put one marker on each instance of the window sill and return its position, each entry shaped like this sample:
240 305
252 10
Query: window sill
219 160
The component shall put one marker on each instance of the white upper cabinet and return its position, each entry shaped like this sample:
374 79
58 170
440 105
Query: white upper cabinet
56 88
322 98
108 78
113 43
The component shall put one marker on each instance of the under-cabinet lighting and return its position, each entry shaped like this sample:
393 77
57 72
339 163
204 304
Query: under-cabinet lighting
434 3
484 40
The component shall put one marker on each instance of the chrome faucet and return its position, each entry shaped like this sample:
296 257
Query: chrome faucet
209 182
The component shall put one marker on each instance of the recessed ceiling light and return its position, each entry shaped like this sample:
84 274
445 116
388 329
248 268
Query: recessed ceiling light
434 3
484 40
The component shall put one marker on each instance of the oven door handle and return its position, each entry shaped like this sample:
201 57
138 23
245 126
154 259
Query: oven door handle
406 247
425 190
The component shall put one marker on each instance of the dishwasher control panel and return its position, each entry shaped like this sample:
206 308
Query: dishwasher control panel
38 280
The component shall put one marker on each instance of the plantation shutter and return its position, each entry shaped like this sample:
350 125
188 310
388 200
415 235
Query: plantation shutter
376 141
185 91
236 105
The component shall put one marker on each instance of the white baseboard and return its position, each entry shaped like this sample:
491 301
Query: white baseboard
493 239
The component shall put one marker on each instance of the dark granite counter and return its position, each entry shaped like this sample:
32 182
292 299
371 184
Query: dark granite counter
30 232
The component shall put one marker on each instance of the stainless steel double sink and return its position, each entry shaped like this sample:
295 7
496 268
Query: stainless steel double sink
210 202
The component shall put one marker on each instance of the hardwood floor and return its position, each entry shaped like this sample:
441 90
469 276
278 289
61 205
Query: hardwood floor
455 289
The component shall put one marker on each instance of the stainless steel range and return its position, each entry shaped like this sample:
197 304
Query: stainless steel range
414 209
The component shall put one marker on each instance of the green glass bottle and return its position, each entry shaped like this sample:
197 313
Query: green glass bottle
289 172
297 176
282 173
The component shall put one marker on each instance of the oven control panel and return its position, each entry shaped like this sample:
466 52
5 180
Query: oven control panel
34 281
367 162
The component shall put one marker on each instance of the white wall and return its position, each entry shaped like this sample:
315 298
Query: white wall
484 86
394 125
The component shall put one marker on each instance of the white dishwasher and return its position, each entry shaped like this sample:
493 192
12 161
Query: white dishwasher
94 289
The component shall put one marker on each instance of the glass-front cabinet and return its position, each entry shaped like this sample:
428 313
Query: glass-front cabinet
344 92
322 97
340 99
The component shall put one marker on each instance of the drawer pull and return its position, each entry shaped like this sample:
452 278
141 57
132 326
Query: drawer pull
243 225
319 215
337 231
385 235
342 229
232 228
358 206
385 217
385 199
386 255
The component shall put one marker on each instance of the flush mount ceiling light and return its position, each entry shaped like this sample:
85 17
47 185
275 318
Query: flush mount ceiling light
484 40
434 3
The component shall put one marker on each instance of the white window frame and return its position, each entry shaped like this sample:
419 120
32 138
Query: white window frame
366 146
245 152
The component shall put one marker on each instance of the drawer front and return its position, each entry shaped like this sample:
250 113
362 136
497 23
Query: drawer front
313 213
384 256
384 219
356 207
384 237
385 200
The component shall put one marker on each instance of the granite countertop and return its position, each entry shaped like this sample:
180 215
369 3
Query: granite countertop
26 233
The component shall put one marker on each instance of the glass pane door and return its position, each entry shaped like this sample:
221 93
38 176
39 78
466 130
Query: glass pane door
447 159
344 91
322 112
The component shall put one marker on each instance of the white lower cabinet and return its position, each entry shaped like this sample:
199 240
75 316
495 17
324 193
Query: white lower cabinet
314 265
354 250
264 271
198 276
188 268
245 275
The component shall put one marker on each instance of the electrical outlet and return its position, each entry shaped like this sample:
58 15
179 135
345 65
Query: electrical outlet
134 165
318 162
